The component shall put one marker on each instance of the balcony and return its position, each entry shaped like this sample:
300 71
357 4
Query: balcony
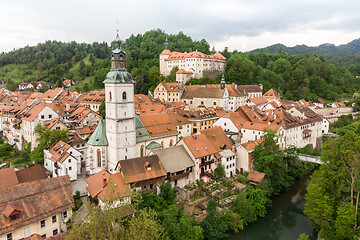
202 164
176 177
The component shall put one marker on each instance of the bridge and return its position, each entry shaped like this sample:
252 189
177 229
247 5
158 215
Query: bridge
310 158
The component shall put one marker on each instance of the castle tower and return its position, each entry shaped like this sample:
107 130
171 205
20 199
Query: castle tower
120 109
163 56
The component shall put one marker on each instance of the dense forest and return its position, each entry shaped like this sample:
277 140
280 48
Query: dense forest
307 76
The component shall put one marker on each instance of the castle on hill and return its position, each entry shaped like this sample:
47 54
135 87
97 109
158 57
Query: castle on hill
193 64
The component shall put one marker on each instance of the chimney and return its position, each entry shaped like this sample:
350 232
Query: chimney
260 86
233 148
104 181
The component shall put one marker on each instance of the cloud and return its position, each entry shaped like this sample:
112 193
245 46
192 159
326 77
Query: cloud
239 24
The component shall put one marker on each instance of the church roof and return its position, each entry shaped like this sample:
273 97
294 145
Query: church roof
118 76
98 138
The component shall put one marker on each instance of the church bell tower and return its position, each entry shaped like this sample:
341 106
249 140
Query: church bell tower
120 109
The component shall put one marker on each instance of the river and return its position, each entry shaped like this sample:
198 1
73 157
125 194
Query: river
285 219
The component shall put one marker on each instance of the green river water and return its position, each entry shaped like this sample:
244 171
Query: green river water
285 219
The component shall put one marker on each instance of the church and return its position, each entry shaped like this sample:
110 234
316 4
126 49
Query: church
114 139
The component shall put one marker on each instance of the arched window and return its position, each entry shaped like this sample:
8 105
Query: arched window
98 157
124 95
162 144
110 96
142 150
171 143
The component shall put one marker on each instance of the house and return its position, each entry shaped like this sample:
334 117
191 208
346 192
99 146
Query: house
244 155
62 159
251 91
272 95
83 116
92 99
255 177
143 173
57 124
51 95
40 113
199 119
260 102
68 82
104 186
222 143
320 103
202 96
168 91
38 207
203 153
177 164
252 131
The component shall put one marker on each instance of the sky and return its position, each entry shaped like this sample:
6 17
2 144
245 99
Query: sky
243 25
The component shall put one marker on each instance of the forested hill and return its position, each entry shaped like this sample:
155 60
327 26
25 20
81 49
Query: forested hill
296 76
88 64
342 55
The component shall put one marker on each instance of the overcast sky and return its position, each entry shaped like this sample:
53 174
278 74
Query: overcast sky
241 24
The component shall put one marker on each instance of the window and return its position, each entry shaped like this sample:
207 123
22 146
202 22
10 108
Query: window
43 236
42 223
42 116
57 128
70 159
98 157
50 116
110 96
171 143
55 232
53 219
64 214
14 217
124 95
9 236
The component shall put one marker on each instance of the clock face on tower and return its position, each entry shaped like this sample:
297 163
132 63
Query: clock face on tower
121 65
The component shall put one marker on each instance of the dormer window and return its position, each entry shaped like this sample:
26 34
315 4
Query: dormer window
147 166
14 217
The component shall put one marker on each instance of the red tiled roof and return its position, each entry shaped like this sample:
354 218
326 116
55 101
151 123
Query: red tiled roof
199 145
102 184
255 176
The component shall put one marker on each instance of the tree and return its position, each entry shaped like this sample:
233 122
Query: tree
269 159
345 221
91 59
179 225
145 226
303 236
102 110
172 76
259 201
46 138
244 209
214 227
168 193
219 171
99 224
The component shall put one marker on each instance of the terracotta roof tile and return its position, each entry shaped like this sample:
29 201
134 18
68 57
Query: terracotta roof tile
35 200
102 184
218 138
135 170
199 145
8 177
255 176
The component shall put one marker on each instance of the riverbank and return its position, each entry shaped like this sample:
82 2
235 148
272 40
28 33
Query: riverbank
285 219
